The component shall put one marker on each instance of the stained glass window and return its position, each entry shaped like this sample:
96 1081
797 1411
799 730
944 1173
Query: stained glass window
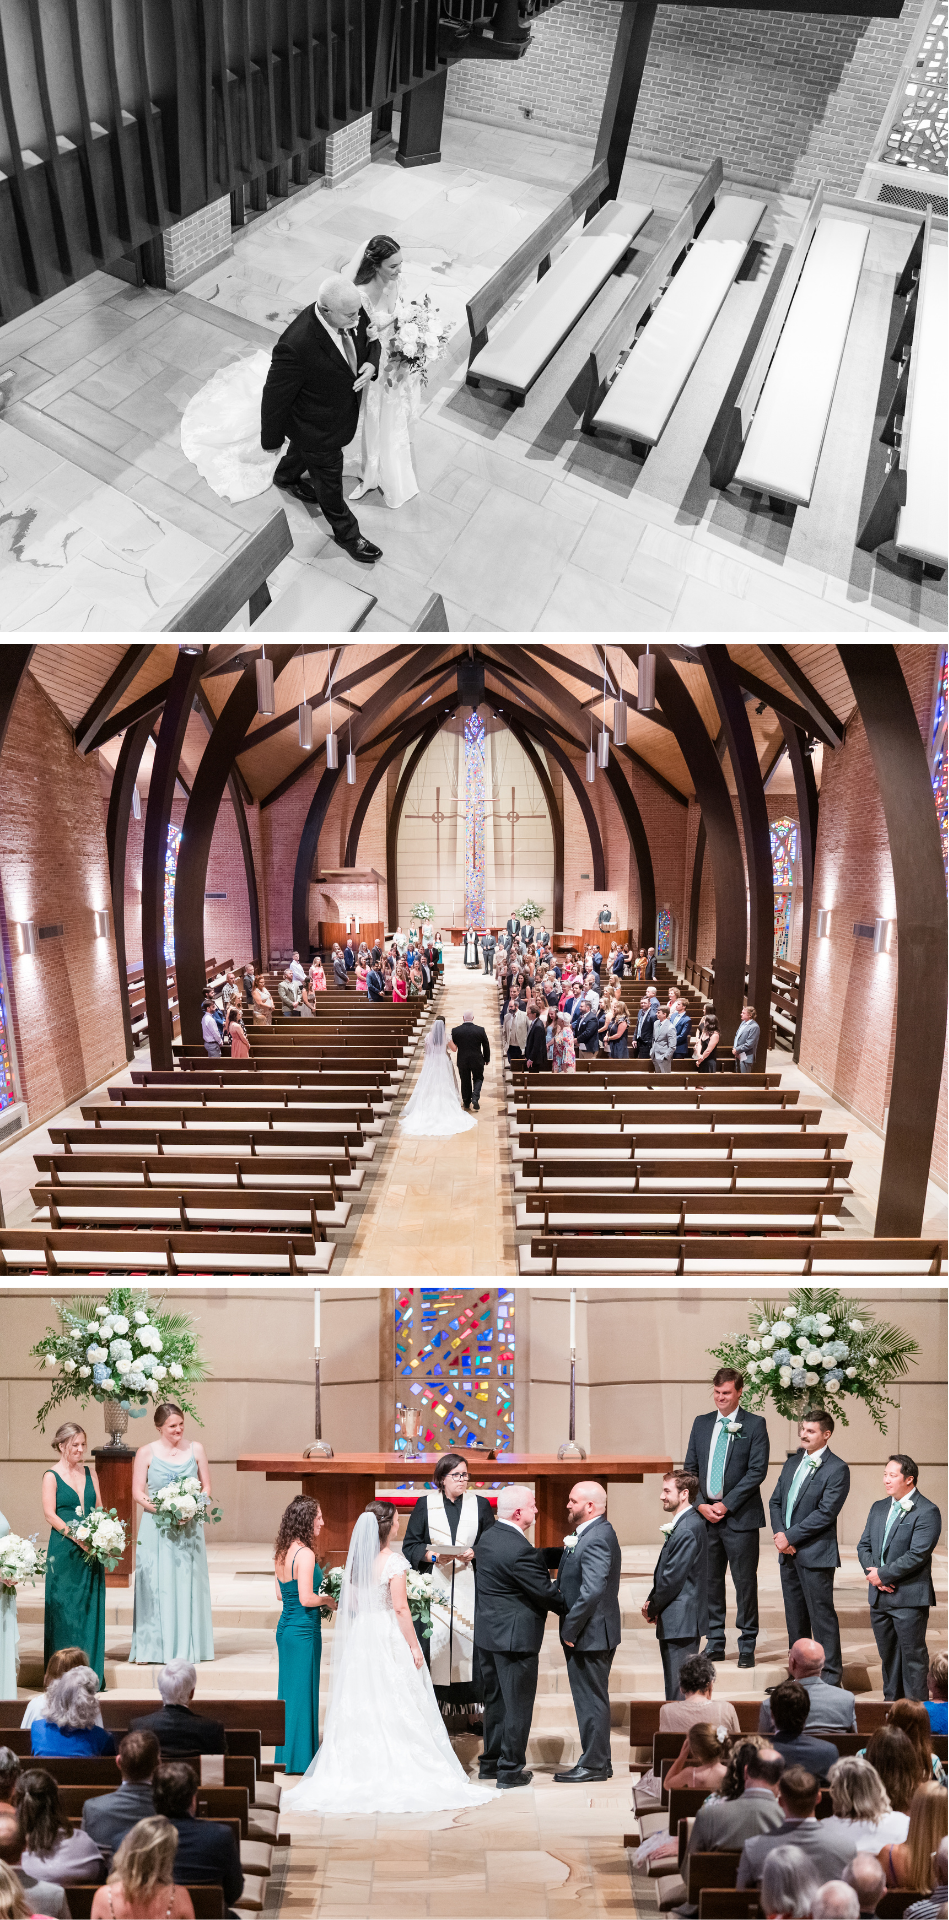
783 863
475 907
7 1084
937 750
917 138
171 870
664 934
454 1360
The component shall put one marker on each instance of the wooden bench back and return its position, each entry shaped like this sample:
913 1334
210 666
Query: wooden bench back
265 1715
312 1165
551 1172
731 1206
54 1245
208 1902
593 1249
533 252
241 581
685 1139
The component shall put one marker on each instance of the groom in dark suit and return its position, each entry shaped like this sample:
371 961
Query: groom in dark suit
311 397
728 1452
895 1551
474 1052
513 1596
590 1630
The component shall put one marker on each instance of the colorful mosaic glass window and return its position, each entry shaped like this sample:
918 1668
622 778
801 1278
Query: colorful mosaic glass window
7 1084
171 873
664 934
454 1360
917 139
783 863
475 907
938 751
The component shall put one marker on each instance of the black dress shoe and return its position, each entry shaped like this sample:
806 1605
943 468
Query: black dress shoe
475 1108
585 1773
361 550
713 1653
300 489
746 1660
487 1773
516 1780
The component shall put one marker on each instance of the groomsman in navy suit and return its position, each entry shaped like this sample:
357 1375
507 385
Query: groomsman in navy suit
728 1452
810 1493
895 1551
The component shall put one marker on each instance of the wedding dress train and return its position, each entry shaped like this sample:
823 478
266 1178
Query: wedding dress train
435 1109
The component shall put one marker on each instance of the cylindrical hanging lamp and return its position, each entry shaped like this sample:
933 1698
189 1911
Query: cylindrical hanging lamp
646 696
603 749
136 804
332 752
265 694
350 760
620 711
591 761
305 725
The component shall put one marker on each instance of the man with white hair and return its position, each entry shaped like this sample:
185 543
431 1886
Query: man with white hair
836 1901
864 1873
318 370
514 1596
591 1627
177 1728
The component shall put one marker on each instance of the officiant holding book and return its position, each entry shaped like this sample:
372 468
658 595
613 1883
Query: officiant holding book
441 1539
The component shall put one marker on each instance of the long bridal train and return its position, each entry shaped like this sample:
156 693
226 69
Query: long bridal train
435 1109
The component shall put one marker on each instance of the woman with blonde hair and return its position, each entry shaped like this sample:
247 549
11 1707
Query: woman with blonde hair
862 1810
400 982
13 1901
141 1885
701 1761
910 1864
263 1002
74 1614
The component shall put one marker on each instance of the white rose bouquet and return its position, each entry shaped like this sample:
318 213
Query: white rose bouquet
415 341
21 1560
121 1348
333 1582
814 1352
181 1505
102 1534
418 1592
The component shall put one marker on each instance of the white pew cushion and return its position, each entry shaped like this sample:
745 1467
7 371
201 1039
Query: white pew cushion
921 528
316 603
647 388
783 447
524 343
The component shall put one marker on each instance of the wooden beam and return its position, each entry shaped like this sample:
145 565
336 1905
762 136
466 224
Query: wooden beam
775 698
116 838
628 65
824 721
723 679
805 786
161 788
14 661
119 680
147 707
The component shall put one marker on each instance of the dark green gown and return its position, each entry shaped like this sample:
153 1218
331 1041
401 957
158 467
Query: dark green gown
299 1644
75 1586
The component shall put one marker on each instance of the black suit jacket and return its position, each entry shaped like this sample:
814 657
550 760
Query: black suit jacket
588 1578
472 1043
813 1529
746 1464
678 1599
179 1730
650 972
207 1856
909 1553
535 1048
309 396
513 1593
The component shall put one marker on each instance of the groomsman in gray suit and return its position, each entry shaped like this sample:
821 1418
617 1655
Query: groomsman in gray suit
812 1488
678 1600
590 1628
896 1553
728 1451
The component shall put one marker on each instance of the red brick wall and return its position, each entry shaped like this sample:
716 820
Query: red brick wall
784 96
666 825
282 824
65 1007
780 806
226 922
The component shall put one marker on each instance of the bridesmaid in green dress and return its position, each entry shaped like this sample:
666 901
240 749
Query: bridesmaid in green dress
172 1610
299 1632
75 1585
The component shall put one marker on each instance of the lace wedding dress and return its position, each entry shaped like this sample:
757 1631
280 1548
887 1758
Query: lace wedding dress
435 1109
384 1749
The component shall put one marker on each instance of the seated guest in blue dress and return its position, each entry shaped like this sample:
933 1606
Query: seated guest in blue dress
936 1705
68 1723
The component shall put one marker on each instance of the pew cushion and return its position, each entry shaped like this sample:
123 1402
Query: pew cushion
787 433
921 527
316 602
647 388
525 342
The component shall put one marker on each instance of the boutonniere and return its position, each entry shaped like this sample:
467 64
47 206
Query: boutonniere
667 1527
733 1426
905 1505
570 1541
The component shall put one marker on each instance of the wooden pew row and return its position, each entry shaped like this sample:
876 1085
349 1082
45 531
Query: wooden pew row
563 1090
644 1717
208 1902
264 1713
252 1140
588 1126
81 1250
691 1256
743 1903
912 507
601 1063
651 1213
666 1746
189 1207
227 1072
624 1147
690 278
247 1092
316 1172
672 1174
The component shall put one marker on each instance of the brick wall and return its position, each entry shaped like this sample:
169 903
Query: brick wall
64 1000
666 826
226 922
197 243
347 150
784 96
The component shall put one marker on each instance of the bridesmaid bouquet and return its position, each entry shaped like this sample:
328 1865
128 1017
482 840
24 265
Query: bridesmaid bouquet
418 1592
183 1503
102 1534
415 341
332 1582
21 1560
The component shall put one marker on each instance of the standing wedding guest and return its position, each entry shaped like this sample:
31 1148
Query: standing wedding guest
488 945
172 1609
263 1002
210 1031
230 991
650 969
705 1043
110 1816
400 982
745 1044
9 1632
639 965
535 1046
42 1897
289 993
729 1452
298 1580
235 1032
69 1726
176 1726
590 1626
617 1032
513 1597
340 972
645 1026
664 1042
61 1662
361 970
811 1490
564 1053
52 1849
896 1551
318 977
296 971
141 1886
442 1538
515 1030
247 980
677 1603
682 1021
375 981
937 1706
74 1614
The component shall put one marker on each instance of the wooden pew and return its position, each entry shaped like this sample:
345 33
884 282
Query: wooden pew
265 1713
744 1903
522 346
251 1092
913 504
644 1716
315 603
190 1207
315 1171
625 1146
564 1090
671 1174
79 1249
653 1213
693 1255
690 277
208 1902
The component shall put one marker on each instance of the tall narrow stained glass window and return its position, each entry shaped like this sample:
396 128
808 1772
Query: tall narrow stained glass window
937 750
784 838
171 871
7 1082
475 907
664 934
454 1360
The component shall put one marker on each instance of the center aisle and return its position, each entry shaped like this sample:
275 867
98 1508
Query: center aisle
444 1207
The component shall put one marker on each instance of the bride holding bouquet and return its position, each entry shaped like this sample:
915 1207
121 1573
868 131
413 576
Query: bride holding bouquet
172 1485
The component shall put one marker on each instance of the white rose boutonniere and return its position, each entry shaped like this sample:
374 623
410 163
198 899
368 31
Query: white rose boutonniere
570 1541
733 1426
667 1527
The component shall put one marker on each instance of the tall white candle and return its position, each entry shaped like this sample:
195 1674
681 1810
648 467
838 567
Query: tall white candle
573 1319
316 1319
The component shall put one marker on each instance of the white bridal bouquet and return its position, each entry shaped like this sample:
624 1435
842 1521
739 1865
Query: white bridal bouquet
183 1503
418 1592
21 1560
102 1534
415 341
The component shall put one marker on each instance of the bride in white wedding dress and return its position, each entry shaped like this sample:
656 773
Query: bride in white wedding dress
384 1747
435 1108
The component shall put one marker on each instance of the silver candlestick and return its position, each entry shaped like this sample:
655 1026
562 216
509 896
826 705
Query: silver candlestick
318 1448
570 1449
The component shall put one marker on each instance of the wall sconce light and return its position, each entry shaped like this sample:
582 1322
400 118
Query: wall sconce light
136 804
646 696
823 922
24 934
881 935
102 925
265 694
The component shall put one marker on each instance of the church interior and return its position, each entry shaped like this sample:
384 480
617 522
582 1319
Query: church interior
686 265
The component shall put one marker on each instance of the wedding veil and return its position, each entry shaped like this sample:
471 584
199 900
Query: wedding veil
361 1591
435 1041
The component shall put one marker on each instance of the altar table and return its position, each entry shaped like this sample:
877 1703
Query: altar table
345 1485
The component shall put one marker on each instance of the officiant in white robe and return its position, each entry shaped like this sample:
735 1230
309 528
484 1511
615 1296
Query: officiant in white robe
451 1520
471 948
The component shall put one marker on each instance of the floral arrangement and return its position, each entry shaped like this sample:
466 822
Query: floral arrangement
418 1592
415 341
183 1503
815 1352
123 1347
21 1560
102 1534
422 910
529 910
332 1582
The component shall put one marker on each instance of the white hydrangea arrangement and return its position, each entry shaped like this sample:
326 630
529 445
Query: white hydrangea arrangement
21 1560
419 1588
102 1534
815 1352
181 1504
121 1348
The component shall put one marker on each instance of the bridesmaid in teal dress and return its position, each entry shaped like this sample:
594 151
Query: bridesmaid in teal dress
9 1631
75 1585
172 1610
299 1631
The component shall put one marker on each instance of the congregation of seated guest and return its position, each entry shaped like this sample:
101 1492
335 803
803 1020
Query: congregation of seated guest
861 1805
41 1897
110 1816
899 1765
699 1764
935 1906
141 1885
52 1849
747 1803
69 1724
830 1707
177 1728
913 1720
58 1663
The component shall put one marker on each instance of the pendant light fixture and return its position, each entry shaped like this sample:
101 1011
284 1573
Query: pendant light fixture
305 716
591 758
603 743
136 804
332 744
646 696
350 759
265 694
620 709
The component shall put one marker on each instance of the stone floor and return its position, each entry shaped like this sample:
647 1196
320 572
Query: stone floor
106 527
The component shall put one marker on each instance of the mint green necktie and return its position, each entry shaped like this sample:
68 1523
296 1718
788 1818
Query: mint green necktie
716 1472
796 1485
891 1520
